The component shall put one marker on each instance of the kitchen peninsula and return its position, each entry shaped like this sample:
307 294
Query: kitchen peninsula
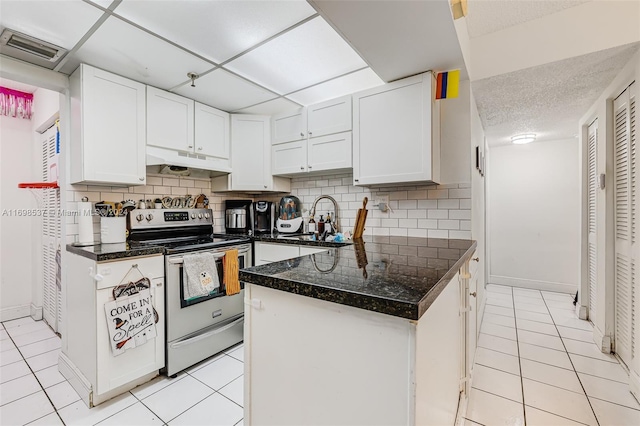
368 333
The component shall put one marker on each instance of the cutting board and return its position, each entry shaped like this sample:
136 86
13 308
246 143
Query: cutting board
361 218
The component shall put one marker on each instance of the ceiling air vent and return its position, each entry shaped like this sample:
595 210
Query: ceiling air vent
30 49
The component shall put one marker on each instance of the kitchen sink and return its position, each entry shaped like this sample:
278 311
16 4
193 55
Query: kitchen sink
307 237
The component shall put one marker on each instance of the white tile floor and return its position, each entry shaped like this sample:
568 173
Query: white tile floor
536 364
536 361
33 392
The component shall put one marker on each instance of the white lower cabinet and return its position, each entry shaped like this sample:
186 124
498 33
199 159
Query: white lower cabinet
87 359
273 252
351 366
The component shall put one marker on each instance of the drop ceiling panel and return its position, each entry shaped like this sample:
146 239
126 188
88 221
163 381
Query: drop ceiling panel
217 30
308 54
125 50
273 107
354 82
62 23
223 90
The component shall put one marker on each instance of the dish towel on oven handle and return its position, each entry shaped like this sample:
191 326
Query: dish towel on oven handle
230 265
200 275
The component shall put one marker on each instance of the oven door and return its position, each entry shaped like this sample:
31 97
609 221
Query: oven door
187 317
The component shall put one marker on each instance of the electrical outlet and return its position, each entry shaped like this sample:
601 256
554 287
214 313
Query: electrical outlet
382 202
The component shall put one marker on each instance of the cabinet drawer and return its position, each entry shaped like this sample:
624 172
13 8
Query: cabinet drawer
114 272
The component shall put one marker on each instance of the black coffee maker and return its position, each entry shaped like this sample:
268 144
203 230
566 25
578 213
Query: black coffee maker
263 217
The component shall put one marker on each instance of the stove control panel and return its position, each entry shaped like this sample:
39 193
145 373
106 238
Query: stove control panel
168 218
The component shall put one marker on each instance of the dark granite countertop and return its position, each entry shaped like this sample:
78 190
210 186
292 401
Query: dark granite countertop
398 276
105 252
288 239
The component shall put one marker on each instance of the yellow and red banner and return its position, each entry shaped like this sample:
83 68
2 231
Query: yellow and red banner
447 84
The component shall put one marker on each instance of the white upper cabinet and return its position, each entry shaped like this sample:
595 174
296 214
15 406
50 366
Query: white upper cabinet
169 120
289 127
316 138
108 126
396 133
183 132
211 132
329 117
250 157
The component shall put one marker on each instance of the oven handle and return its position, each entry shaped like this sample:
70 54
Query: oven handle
202 336
180 260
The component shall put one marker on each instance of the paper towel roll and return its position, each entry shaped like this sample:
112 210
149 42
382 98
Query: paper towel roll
85 223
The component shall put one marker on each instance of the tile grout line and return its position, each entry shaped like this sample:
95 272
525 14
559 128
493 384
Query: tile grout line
55 410
515 320
614 403
557 415
572 365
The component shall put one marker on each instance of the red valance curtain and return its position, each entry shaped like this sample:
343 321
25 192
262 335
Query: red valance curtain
14 103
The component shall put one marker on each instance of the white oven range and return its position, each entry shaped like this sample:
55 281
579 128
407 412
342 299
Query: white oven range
195 328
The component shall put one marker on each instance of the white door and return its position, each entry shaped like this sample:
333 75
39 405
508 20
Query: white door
289 158
290 126
626 212
51 230
330 152
592 184
329 117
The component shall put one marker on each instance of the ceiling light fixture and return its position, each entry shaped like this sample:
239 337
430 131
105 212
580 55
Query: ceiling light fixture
193 76
522 139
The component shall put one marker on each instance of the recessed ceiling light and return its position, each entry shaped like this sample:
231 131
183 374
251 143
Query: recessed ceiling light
522 139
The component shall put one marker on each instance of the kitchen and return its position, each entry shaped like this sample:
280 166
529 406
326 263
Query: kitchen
409 200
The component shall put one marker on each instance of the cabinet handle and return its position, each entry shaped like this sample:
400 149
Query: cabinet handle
190 146
301 167
265 187
357 180
199 148
474 294
302 134
141 178
477 259
310 133
309 167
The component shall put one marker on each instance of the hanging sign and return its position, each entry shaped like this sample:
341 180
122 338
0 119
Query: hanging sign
131 318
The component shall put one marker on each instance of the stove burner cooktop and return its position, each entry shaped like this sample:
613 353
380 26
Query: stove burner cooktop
179 244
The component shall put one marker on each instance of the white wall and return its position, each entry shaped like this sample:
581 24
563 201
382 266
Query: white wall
533 211
16 263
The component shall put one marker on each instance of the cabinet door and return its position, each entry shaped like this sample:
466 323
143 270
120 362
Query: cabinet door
392 133
134 363
330 152
291 126
211 132
169 120
329 117
111 139
289 158
251 153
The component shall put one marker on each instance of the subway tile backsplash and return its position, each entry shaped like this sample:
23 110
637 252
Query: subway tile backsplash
442 211
437 211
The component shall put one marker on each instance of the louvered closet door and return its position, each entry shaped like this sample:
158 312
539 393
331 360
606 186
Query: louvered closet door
626 222
592 144
51 230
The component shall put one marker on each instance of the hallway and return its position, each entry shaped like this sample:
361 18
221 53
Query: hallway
536 364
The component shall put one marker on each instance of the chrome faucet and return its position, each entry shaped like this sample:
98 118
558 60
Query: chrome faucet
336 223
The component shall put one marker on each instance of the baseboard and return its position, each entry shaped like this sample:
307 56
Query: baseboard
634 384
534 284
15 312
36 312
603 342
76 379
